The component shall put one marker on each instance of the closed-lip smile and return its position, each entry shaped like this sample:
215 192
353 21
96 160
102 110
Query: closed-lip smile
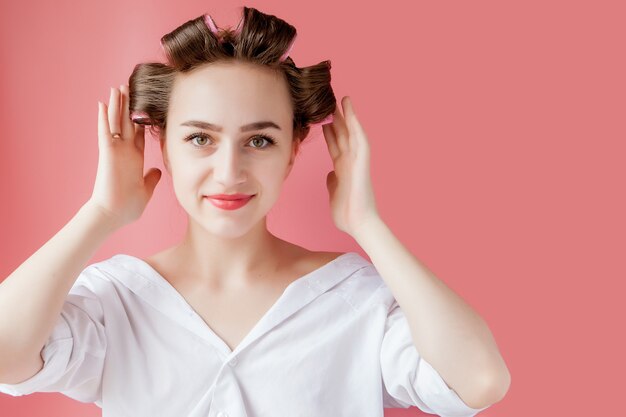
230 201
230 196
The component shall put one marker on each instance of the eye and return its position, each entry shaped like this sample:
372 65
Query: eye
271 141
196 135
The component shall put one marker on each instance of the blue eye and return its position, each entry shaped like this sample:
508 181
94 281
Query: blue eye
271 141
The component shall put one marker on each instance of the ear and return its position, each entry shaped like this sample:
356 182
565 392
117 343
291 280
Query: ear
295 147
166 161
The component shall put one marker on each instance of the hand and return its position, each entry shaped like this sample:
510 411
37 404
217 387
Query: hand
349 185
121 190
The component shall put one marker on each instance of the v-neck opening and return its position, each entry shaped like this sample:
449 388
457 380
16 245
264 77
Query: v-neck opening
147 271
163 281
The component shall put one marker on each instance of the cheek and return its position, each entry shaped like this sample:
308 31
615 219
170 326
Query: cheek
273 172
187 179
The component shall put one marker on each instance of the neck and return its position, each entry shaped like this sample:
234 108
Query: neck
220 262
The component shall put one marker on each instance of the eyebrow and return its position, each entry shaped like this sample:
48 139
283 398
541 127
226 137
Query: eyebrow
250 126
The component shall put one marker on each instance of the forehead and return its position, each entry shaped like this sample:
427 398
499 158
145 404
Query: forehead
230 94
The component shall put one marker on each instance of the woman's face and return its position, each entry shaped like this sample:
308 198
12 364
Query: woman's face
223 158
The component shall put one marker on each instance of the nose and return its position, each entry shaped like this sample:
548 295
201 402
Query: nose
228 169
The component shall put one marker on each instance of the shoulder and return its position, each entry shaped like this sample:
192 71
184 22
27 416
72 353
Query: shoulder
159 258
325 257
310 260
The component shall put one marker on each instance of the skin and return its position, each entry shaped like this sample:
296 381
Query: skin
229 248
447 332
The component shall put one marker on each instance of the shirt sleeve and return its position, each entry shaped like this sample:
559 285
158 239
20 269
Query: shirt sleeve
74 352
408 379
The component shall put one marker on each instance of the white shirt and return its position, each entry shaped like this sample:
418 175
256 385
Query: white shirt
335 343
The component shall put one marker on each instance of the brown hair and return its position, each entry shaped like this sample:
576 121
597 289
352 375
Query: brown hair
259 39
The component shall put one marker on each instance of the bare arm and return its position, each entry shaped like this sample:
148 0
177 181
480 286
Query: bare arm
446 331
31 298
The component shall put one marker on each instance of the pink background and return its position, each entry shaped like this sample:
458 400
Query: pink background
497 141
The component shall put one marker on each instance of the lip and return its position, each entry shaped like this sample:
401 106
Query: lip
230 204
229 196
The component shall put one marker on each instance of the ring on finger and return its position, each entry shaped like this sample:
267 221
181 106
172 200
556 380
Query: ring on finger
117 135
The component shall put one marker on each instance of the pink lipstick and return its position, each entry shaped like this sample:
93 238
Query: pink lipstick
229 201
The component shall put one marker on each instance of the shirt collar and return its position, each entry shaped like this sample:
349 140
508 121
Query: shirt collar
143 280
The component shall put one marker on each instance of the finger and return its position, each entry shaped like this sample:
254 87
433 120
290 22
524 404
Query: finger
140 139
357 133
127 126
114 111
104 132
341 131
331 140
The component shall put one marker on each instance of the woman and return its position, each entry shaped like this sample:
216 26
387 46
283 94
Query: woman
234 321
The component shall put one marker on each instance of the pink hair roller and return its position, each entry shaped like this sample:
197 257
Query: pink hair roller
139 117
328 119
213 27
210 23
288 51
